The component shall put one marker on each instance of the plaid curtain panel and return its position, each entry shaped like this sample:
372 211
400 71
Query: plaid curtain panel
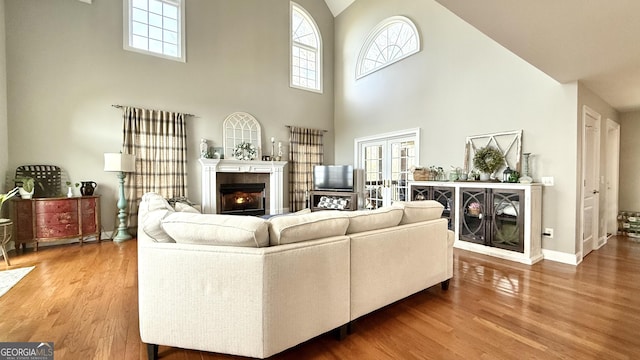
158 139
305 151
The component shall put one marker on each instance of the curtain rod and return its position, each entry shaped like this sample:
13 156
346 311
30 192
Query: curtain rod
120 107
290 126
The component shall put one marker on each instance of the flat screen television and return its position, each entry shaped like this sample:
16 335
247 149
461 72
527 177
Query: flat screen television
333 177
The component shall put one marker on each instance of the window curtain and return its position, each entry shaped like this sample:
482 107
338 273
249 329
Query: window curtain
305 151
158 139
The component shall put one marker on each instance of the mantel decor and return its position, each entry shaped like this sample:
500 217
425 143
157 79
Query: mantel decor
245 151
508 143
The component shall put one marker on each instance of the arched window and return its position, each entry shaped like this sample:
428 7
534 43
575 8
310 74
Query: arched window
392 40
306 51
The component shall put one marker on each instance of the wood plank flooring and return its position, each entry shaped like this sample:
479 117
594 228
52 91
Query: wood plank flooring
84 299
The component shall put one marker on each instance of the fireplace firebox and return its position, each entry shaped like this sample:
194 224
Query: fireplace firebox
242 199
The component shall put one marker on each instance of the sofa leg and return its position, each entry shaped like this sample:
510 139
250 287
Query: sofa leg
445 284
342 332
152 351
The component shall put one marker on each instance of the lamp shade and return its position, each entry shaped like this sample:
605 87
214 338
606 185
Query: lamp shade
119 162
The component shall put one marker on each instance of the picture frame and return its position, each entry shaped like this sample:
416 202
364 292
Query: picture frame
218 153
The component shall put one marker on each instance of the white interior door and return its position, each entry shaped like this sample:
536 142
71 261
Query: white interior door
613 176
386 160
590 171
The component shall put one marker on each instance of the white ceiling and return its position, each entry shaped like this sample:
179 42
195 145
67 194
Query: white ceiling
596 42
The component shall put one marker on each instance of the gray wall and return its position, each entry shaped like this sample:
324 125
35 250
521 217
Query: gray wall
461 83
4 134
66 66
629 161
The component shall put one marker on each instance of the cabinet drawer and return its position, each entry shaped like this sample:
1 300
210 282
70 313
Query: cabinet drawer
55 231
53 219
54 206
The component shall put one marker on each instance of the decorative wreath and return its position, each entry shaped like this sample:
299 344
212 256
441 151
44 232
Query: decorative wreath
245 151
488 159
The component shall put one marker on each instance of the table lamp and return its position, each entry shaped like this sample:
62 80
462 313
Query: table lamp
120 163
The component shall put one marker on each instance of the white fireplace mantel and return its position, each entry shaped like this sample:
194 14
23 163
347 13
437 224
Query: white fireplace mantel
211 167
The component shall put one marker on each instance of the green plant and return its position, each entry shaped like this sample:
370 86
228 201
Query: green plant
7 196
69 183
488 159
28 183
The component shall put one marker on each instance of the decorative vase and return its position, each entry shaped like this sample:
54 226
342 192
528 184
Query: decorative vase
69 191
87 188
485 176
25 194
526 176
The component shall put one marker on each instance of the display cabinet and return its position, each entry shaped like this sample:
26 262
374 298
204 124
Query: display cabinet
445 195
497 219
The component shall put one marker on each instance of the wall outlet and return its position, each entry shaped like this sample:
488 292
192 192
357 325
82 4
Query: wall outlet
548 232
547 180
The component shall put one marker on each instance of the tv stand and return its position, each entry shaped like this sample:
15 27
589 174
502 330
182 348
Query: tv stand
315 196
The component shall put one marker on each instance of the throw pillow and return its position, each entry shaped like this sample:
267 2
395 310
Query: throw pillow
183 207
337 203
416 211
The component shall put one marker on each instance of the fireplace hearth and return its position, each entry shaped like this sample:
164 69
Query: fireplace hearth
242 199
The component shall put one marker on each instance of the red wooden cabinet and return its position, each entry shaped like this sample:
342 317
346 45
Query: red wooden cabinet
46 219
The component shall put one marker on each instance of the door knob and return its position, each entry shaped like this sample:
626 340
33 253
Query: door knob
596 192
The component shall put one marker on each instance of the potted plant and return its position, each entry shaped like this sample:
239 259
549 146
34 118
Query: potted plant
487 160
27 186
5 197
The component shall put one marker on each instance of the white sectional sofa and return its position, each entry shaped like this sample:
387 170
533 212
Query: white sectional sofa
254 287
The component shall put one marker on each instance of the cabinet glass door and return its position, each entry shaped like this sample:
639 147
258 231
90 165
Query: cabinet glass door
507 225
446 197
473 212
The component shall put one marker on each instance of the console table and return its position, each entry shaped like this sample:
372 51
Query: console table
497 219
46 219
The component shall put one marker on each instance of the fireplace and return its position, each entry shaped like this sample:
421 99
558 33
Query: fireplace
242 199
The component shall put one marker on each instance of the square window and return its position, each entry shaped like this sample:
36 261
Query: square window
170 37
155 6
155 20
155 33
155 26
139 42
140 29
155 46
139 16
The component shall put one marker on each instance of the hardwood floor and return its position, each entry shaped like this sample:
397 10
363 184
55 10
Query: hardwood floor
84 299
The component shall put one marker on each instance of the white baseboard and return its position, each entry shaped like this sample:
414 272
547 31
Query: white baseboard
562 257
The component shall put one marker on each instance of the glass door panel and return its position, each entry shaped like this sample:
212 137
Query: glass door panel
507 227
374 172
472 221
386 161
402 158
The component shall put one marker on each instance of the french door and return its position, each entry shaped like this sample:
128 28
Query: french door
386 160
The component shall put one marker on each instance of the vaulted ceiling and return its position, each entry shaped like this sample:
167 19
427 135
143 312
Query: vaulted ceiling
595 42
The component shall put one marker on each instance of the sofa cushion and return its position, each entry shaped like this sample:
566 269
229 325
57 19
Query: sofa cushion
416 211
151 211
184 207
212 229
366 220
303 227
